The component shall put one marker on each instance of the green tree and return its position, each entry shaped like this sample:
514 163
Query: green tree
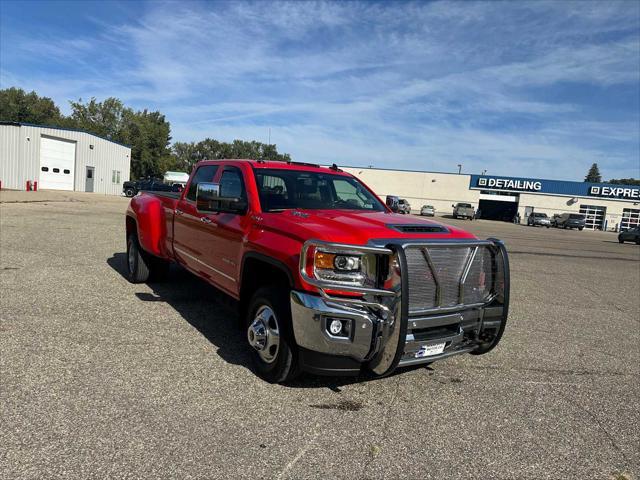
148 133
625 181
16 105
593 175
188 154
107 119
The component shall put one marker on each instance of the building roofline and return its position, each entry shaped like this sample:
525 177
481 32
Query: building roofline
606 184
54 127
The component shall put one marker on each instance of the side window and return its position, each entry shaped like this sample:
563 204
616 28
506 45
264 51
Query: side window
231 184
203 174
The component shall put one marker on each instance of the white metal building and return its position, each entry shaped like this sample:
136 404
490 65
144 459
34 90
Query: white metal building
61 159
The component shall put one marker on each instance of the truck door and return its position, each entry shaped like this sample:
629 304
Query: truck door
191 228
227 231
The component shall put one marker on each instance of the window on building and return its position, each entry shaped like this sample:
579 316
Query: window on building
67 171
56 170
45 169
115 176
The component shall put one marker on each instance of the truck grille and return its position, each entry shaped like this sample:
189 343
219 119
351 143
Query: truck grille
445 276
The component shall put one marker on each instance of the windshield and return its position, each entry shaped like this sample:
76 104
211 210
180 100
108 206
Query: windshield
464 205
289 189
541 215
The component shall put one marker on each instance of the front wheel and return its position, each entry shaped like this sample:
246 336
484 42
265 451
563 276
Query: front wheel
270 335
129 192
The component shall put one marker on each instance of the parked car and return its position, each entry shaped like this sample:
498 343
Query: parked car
631 235
428 211
403 206
536 219
463 210
327 278
570 220
130 189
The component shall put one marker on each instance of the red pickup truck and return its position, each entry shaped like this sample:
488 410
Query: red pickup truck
328 279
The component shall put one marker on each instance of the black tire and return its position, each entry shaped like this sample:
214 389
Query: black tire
137 268
142 266
638 241
620 240
130 192
581 228
284 367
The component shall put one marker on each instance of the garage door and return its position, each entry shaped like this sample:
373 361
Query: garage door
630 218
594 216
57 164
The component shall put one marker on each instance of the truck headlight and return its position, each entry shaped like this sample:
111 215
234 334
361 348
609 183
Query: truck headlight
359 269
344 269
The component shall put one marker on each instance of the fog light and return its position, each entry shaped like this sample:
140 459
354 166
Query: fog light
335 327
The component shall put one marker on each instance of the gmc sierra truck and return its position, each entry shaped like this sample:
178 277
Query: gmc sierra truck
327 278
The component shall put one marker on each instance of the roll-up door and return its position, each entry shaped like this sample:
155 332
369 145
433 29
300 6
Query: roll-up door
57 163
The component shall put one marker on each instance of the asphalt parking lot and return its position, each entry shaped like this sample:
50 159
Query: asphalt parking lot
102 378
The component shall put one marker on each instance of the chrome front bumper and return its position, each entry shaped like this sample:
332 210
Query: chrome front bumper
385 333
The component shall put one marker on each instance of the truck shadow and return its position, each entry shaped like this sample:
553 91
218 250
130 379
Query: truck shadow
215 315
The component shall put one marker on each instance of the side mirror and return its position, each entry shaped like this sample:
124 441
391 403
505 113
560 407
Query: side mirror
393 203
208 199
453 205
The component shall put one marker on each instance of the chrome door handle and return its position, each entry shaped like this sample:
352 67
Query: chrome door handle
205 219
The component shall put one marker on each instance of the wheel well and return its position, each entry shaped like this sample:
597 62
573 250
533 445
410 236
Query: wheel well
131 226
258 272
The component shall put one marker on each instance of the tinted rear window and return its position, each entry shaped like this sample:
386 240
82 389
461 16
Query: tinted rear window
575 216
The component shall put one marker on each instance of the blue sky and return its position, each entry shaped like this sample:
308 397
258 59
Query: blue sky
526 89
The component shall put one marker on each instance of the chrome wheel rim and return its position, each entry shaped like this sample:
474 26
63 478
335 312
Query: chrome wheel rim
264 335
131 257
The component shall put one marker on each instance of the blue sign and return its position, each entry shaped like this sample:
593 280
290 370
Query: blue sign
555 187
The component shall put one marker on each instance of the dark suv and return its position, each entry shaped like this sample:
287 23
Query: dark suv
570 220
631 235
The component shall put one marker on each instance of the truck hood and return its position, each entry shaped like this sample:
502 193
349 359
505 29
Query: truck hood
356 227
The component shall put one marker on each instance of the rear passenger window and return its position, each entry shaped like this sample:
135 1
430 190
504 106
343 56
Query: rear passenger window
202 174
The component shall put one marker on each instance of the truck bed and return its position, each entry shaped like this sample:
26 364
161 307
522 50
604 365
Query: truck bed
173 195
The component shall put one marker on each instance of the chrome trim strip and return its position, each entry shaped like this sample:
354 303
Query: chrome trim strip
213 269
